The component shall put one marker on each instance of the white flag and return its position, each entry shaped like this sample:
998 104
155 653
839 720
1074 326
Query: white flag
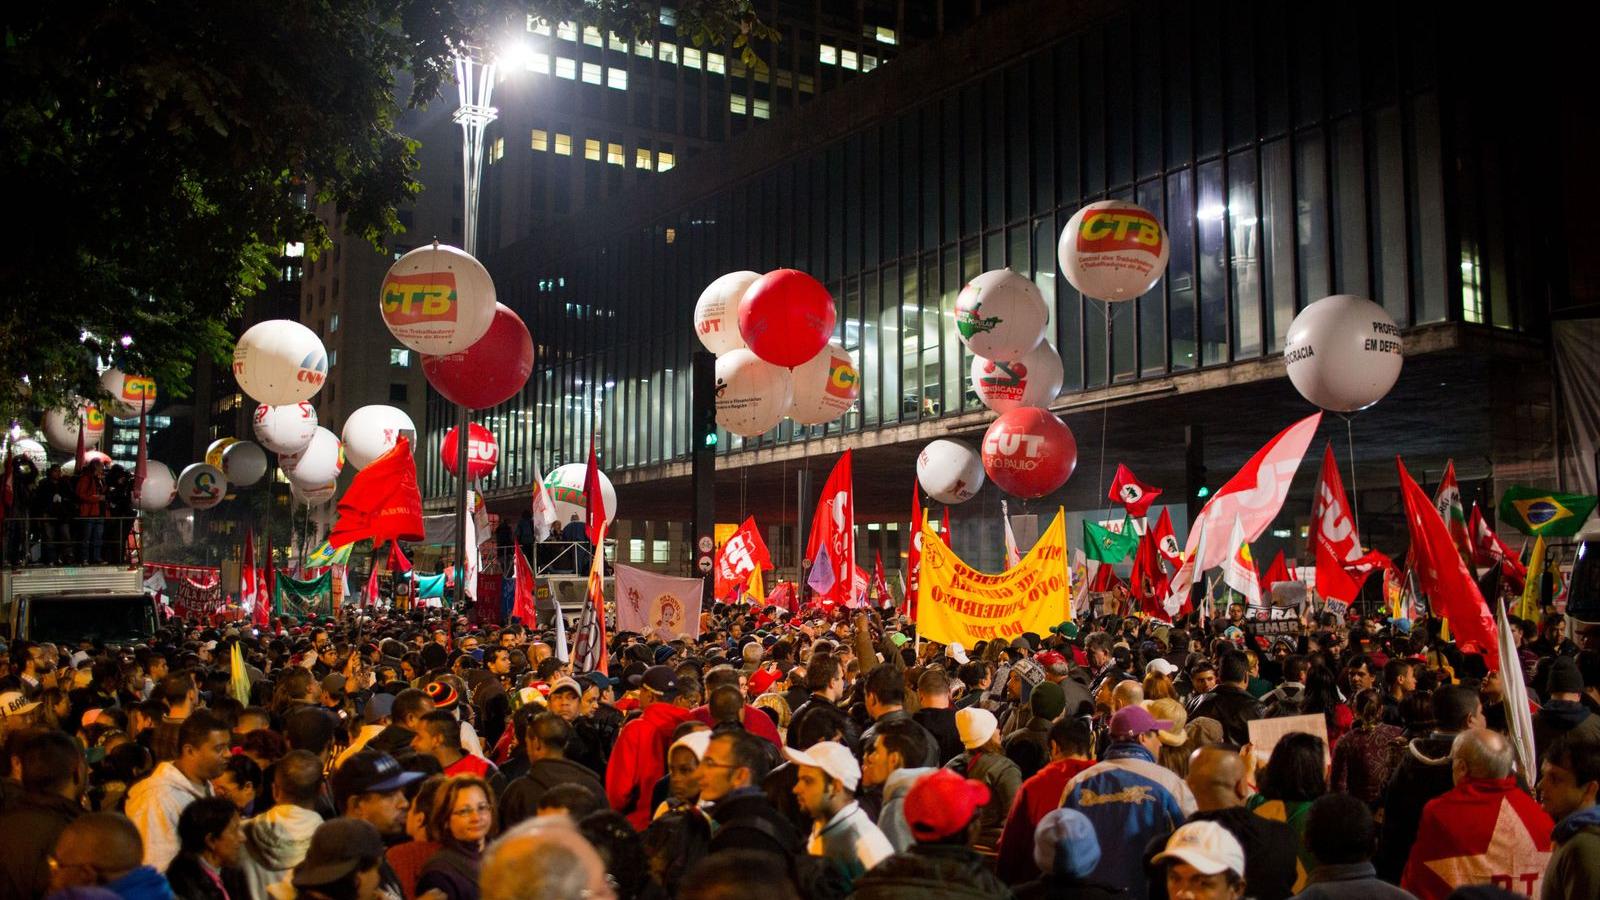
1239 571
1013 555
545 520
561 631
655 605
1515 693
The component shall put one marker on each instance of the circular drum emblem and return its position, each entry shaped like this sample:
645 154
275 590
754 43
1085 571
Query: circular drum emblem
666 616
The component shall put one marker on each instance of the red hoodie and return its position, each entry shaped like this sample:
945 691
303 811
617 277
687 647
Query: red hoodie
639 759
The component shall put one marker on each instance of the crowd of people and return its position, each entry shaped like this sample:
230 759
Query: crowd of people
57 518
820 756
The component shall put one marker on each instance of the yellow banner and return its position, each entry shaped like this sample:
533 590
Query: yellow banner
956 602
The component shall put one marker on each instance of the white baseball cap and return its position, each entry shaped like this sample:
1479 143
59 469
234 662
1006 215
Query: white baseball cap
1207 846
12 703
1160 665
831 757
695 742
955 651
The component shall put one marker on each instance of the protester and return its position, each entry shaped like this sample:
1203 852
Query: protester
1341 836
1203 861
1294 777
544 741
342 863
1424 772
842 833
463 818
1568 783
54 777
276 840
1070 742
207 864
103 850
983 762
155 803
942 810
639 758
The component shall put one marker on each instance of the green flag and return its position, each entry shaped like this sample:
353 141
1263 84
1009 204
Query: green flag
1540 513
304 599
1106 545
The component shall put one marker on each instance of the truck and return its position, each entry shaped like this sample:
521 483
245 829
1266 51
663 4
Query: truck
66 605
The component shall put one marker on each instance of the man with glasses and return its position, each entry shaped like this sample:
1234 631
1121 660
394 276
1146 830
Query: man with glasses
730 776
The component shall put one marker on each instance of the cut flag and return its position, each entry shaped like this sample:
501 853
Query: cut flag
1106 545
382 502
1447 500
397 559
833 529
1341 565
522 598
742 555
1134 495
1239 571
1534 512
1442 574
589 643
238 678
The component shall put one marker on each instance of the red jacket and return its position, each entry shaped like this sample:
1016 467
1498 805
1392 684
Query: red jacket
756 722
1481 830
1037 796
639 759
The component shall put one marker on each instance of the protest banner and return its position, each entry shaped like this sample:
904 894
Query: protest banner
960 603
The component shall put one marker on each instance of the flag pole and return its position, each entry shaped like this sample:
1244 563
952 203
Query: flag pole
1355 491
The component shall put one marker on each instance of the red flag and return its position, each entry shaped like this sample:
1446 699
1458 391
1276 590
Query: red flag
1166 541
1105 579
522 605
914 552
1447 500
833 527
247 568
744 553
83 425
948 535
397 559
1149 580
593 498
1488 549
880 584
1134 495
1276 572
1342 566
383 502
1442 574
266 585
373 594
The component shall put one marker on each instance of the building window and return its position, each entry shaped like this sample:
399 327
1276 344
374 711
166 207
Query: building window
294 250
567 31
591 150
614 155
538 27
885 35
591 73
541 139
848 59
716 63
497 149
400 357
669 17
868 63
540 63
641 158
667 53
808 84
617 79
828 55
333 358
333 323
664 161
563 144
566 68
1471 286
763 109
645 49
672 235
615 42
591 36
737 104
397 393
691 57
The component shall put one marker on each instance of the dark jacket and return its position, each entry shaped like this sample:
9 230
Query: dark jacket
1350 881
392 740
1052 888
453 870
819 705
1030 747
1423 774
899 715
521 798
941 723
189 881
931 872
31 824
1234 708
747 820
1559 717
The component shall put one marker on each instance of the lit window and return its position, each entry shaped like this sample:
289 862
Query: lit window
541 139
717 63
567 31
691 57
333 323
399 357
808 85
828 54
847 59
591 150
615 42
617 78
540 62
667 52
885 35
563 144
672 235
538 27
669 17
295 249
591 73
333 358
641 158
663 161
566 68
868 63
785 78
498 150
1471 287
736 104
591 36
763 109
645 49
614 155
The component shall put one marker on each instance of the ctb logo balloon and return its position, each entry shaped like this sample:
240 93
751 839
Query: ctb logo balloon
1029 452
437 299
483 451
1113 250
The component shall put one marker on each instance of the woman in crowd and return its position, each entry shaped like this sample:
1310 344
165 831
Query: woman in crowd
463 818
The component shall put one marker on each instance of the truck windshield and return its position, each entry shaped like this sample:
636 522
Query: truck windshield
67 620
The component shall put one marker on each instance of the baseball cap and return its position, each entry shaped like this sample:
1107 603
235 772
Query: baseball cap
763 679
942 803
975 725
378 706
1050 658
1065 843
955 651
695 742
1160 666
1132 721
831 757
1207 846
337 848
569 684
90 716
662 680
368 772
898 638
333 683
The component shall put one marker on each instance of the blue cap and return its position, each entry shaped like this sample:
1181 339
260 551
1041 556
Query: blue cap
1064 843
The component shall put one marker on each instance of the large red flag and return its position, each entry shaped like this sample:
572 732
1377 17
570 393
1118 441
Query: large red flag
1488 549
383 502
1148 579
833 527
1341 563
593 498
373 593
1166 541
1276 572
247 569
397 559
743 553
1134 495
1442 574
522 605
914 552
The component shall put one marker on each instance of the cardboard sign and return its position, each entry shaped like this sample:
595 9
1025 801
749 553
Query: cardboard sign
1265 733
1272 621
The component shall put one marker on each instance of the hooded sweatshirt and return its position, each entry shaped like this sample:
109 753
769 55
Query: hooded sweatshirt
892 815
639 759
274 843
1423 774
1574 869
154 805
1130 800
143 883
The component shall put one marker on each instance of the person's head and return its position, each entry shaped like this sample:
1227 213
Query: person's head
1134 724
978 729
727 705
1457 708
733 759
933 689
725 875
297 779
342 863
1569 777
1234 669
52 764
1126 693
178 691
370 786
1202 676
1297 769
1400 676
439 736
683 760
239 782
1070 738
463 810
825 676
544 859
410 705
1098 648
547 736
568 799
566 698
1479 753
942 807
1203 861
1065 845
895 745
1340 830
209 827
95 849
826 778
498 660
885 691
419 817
1217 778
1296 668
203 746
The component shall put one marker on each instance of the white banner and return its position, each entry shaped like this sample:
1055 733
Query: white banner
659 606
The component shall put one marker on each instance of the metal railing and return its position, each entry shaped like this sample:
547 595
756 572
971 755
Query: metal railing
80 540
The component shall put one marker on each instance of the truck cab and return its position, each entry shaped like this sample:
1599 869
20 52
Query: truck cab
69 604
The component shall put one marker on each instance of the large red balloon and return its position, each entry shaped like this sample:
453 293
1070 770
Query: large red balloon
1029 452
491 371
483 451
786 317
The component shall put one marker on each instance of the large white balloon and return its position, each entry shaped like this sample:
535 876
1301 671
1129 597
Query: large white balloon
159 486
244 463
437 299
752 394
285 429
1033 380
319 463
565 486
372 431
716 313
61 427
202 486
279 361
950 471
1113 250
1343 353
825 386
34 451
1001 315
128 393
314 495
215 449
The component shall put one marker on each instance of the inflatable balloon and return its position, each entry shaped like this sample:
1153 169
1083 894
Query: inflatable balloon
716 313
1001 315
319 463
285 429
786 317
1033 380
316 494
752 395
491 371
214 450
372 431
243 463
159 486
61 427
279 361
1343 353
201 486
34 451
1028 452
825 386
950 471
565 485
1113 250
128 393
437 299
483 452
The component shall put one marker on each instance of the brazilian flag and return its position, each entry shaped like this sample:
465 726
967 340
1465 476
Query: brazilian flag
1106 545
1541 513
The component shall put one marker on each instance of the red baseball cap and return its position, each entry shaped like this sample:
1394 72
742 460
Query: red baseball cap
762 679
942 803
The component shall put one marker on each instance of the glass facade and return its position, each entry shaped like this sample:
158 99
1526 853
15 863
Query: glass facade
1292 153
